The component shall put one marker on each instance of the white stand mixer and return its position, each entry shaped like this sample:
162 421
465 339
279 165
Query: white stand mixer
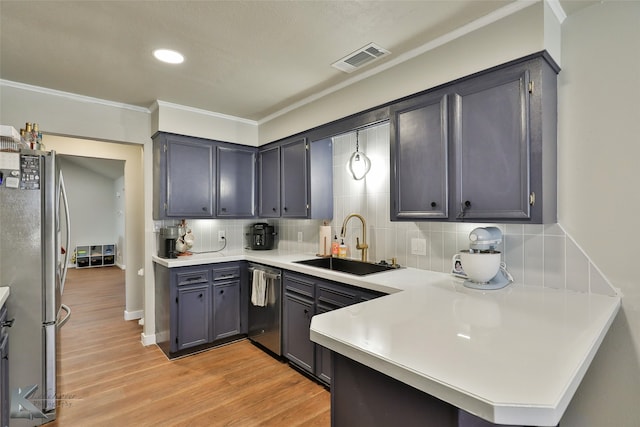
481 264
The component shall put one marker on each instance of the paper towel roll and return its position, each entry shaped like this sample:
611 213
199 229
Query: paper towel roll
324 243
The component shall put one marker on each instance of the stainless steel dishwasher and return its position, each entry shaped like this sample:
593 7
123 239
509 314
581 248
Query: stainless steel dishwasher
265 318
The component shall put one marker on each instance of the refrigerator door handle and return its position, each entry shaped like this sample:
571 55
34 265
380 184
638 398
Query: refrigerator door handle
60 323
49 403
63 193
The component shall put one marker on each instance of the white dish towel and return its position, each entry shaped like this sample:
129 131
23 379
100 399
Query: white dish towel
259 288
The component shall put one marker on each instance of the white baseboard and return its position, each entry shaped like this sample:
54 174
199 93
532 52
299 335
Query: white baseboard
121 266
133 315
147 339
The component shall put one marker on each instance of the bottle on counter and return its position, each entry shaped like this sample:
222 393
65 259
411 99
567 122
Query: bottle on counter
342 250
335 247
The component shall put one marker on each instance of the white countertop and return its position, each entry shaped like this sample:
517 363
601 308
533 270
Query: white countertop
4 294
510 356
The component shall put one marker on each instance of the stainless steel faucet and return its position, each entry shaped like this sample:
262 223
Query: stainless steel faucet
362 247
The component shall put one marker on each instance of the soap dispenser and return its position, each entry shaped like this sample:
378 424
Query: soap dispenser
342 250
335 247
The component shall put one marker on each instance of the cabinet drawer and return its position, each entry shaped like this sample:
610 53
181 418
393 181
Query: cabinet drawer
334 295
192 277
300 285
225 273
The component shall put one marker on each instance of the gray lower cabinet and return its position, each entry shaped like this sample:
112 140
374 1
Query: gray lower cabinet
362 396
193 316
299 307
200 306
306 296
482 148
226 309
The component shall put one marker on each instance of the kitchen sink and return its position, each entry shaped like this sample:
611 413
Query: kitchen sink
359 268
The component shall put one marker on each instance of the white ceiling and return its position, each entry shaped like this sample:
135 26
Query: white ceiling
248 59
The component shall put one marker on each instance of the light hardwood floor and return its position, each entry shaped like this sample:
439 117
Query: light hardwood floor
108 378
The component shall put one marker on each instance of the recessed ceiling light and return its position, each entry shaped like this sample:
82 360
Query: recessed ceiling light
169 56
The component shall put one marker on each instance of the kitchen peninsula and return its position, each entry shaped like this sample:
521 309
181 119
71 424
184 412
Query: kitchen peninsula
511 356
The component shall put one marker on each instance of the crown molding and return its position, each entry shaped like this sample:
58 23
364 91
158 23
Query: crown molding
557 10
158 103
73 96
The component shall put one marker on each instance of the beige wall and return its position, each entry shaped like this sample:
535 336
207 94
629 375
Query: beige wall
183 120
598 198
63 114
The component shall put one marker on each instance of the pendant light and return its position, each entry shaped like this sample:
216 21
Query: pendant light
359 164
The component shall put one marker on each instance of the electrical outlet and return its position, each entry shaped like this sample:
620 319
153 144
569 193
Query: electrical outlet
418 247
299 236
222 235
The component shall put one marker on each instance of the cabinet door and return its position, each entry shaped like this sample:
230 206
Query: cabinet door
190 178
321 179
323 356
226 310
419 160
236 180
294 179
193 316
491 142
269 175
298 347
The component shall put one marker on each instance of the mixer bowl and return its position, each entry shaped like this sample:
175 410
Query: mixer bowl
480 267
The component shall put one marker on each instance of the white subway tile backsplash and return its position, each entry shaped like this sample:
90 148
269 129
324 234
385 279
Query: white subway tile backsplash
513 255
533 260
577 268
598 284
554 262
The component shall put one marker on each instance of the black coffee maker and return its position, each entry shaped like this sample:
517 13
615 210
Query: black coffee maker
167 243
261 236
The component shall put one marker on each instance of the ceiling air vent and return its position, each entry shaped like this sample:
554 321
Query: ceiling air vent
360 57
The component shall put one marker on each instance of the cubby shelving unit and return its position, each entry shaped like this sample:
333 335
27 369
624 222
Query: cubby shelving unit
95 255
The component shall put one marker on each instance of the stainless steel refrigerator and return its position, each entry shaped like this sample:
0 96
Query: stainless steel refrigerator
34 227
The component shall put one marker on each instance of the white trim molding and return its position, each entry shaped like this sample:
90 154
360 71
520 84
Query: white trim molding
133 315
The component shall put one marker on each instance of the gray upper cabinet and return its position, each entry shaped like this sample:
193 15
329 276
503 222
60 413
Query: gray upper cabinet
294 179
491 138
482 148
236 181
183 177
201 178
269 183
321 179
419 157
